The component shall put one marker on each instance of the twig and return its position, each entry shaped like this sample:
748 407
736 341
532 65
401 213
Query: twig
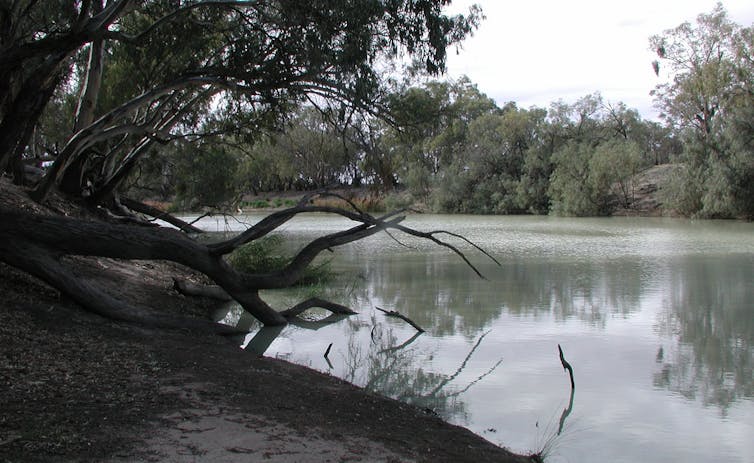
393 313
566 365
401 346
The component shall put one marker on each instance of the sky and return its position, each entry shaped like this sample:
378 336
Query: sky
535 52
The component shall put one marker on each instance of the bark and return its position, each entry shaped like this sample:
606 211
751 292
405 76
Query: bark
23 112
90 92
70 236
188 288
46 265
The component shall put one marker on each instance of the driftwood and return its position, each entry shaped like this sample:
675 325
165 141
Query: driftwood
393 313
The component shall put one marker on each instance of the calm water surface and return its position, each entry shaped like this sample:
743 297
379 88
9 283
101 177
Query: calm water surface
655 315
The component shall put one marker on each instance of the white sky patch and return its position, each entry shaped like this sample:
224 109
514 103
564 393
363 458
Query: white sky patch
541 51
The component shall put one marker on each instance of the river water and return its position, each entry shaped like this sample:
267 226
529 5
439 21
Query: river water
656 316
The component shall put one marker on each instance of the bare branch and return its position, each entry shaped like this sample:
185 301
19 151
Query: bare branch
317 302
393 313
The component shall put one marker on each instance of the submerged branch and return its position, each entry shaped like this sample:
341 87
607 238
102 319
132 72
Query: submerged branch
462 366
393 313
566 365
403 345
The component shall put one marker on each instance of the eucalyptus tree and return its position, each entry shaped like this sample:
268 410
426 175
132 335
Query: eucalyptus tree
709 87
485 175
597 149
434 121
183 61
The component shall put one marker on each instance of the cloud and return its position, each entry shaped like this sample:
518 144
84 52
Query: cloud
539 51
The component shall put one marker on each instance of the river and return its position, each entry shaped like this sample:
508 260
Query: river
656 316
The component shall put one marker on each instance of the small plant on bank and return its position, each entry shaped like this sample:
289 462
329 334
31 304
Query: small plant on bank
265 255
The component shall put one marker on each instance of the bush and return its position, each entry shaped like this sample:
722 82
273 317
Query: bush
265 255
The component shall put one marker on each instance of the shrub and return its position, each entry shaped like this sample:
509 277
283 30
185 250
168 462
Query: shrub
265 255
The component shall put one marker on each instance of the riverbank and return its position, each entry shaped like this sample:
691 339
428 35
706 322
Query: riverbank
77 387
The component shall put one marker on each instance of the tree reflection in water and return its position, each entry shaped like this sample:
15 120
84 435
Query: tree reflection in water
394 369
386 365
708 321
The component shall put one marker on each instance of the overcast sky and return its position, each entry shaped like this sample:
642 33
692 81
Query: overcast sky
535 52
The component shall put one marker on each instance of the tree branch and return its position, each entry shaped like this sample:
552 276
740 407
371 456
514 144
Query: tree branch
138 206
317 302
393 313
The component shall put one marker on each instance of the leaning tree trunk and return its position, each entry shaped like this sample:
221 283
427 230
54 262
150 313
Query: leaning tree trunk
36 243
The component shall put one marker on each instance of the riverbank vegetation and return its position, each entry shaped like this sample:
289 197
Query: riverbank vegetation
97 95
204 104
106 103
449 148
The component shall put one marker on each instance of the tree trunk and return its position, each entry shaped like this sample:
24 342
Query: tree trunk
92 84
35 243
63 235
17 125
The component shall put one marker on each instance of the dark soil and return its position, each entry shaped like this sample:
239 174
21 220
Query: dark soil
77 387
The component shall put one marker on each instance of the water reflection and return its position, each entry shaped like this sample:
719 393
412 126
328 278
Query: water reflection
386 364
394 368
439 293
657 317
708 321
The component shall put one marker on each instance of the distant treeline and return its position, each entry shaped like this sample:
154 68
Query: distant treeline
450 148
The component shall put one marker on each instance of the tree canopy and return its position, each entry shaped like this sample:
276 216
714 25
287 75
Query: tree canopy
708 97
97 88
164 67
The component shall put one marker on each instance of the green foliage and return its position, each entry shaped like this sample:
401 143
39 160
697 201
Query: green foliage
709 95
612 170
398 200
206 177
684 190
571 190
592 180
265 255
